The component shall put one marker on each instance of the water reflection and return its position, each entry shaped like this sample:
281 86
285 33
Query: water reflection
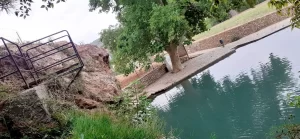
245 106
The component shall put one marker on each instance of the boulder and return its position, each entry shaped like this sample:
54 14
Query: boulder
96 80
99 86
27 114
94 58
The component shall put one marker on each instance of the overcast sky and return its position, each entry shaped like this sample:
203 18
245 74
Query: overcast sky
73 15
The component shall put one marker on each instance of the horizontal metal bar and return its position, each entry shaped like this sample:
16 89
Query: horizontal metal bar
45 37
4 57
58 62
26 70
50 53
43 43
68 68
64 74
8 74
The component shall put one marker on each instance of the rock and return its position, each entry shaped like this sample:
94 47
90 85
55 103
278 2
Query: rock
94 58
85 103
27 114
99 86
233 13
97 80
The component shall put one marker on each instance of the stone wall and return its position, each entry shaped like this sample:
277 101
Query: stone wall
153 75
236 33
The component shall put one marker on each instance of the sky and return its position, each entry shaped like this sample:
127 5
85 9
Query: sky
73 15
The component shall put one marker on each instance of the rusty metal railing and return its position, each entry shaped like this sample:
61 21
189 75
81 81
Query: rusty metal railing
30 59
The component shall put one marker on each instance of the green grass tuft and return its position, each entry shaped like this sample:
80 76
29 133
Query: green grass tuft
102 126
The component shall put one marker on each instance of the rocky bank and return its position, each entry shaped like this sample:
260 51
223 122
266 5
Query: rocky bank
22 110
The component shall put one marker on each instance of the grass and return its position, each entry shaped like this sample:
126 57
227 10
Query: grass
126 120
244 17
129 118
102 126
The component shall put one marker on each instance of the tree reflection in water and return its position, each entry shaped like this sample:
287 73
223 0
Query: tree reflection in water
246 106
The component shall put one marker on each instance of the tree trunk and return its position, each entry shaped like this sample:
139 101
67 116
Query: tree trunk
188 86
176 63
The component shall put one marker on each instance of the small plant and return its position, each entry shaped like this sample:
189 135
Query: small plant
133 106
293 100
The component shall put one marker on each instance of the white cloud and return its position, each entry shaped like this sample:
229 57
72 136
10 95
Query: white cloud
73 15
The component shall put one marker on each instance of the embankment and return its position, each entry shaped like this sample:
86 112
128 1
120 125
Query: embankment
236 33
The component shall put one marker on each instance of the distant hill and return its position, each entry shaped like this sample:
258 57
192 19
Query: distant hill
97 43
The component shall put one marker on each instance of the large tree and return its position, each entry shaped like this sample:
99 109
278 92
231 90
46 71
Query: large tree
150 27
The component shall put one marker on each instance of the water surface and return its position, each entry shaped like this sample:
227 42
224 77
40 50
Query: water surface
243 96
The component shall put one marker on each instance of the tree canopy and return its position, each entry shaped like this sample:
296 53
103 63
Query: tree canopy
294 8
22 8
109 37
150 27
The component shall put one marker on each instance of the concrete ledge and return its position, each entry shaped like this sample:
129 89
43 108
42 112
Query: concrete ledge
182 78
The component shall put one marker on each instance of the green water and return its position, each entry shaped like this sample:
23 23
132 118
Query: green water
243 96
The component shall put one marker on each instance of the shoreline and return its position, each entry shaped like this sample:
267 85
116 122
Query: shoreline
204 61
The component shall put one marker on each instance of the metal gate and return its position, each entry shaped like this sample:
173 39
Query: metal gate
30 59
